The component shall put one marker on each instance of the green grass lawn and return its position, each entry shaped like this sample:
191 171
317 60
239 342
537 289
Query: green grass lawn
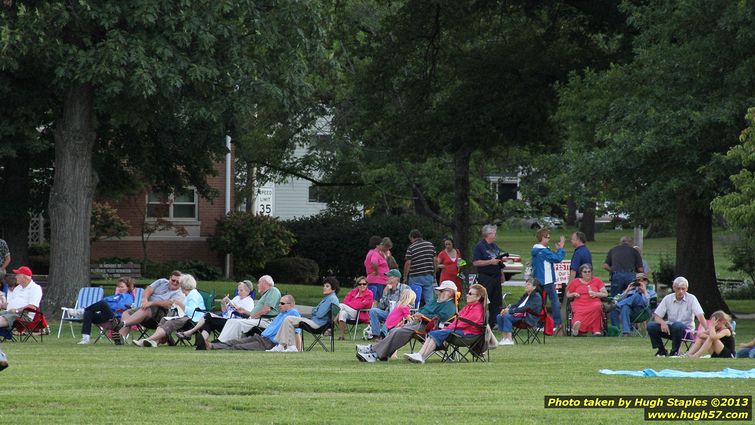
60 382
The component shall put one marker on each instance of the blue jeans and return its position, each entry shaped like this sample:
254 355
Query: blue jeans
631 305
440 336
677 330
506 322
550 292
426 281
619 282
377 290
746 352
377 315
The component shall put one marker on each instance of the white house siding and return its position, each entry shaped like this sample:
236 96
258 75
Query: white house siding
292 200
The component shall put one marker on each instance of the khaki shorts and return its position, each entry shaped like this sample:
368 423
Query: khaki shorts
10 317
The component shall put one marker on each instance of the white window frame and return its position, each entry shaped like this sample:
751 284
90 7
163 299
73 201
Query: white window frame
171 202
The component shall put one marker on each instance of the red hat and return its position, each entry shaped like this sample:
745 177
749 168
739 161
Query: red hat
23 270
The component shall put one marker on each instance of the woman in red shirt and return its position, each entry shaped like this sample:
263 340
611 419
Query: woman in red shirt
448 263
359 298
474 324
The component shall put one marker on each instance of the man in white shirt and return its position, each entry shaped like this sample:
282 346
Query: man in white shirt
681 309
26 294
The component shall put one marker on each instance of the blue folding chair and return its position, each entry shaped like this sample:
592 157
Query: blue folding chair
418 292
87 296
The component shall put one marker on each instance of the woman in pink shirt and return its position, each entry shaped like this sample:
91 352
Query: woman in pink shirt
376 265
401 313
473 323
359 298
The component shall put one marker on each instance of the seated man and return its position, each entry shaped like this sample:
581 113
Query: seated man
193 300
157 299
27 294
257 342
633 300
288 339
681 308
441 309
391 295
261 315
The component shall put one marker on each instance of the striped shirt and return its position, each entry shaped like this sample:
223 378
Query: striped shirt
421 254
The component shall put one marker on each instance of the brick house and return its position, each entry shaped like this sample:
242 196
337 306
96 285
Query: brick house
193 217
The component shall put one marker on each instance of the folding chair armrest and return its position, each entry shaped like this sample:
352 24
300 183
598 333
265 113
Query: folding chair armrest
470 322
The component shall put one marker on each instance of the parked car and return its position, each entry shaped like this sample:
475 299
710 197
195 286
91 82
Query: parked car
540 222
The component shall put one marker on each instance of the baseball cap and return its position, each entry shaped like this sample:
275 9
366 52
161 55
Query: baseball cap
393 273
446 284
23 270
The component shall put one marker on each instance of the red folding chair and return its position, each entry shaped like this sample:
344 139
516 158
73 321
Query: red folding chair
26 327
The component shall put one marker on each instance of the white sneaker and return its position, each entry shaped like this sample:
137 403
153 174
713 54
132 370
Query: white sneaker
364 348
83 342
277 349
138 342
366 357
291 349
505 341
415 358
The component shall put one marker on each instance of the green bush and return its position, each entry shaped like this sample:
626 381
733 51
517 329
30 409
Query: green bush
666 271
199 269
293 270
39 249
742 258
253 240
339 243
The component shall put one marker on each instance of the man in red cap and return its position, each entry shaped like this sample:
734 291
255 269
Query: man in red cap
26 294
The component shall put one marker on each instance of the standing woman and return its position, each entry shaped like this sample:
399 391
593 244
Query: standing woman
488 258
586 295
376 264
448 263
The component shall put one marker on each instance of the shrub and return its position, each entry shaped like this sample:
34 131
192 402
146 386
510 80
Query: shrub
199 269
252 240
339 243
741 255
39 249
293 270
666 271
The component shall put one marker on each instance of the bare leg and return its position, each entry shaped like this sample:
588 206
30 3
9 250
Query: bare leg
3 322
133 319
697 344
705 348
427 348
341 328
158 335
298 342
198 326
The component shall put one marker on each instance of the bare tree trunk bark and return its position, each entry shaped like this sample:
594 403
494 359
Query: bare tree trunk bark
71 200
571 212
587 224
461 221
694 251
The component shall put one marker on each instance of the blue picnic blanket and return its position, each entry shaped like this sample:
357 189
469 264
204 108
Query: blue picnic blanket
671 373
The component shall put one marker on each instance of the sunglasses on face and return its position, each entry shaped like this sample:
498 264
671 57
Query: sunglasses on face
282 303
471 294
362 284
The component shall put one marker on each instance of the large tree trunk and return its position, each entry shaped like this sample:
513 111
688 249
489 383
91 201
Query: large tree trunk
16 224
694 251
587 224
571 212
461 221
71 200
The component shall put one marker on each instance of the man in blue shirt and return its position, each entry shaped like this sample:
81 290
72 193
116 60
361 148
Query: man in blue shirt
581 255
258 342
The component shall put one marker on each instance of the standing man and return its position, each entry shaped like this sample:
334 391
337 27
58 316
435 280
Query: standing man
26 294
420 265
543 260
488 258
623 262
262 314
581 255
4 259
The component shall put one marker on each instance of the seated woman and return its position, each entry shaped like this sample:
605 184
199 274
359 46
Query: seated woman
585 294
288 340
359 298
239 306
167 325
527 310
718 340
108 309
401 313
470 321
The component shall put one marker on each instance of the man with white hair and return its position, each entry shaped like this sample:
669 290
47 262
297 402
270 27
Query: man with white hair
264 311
680 310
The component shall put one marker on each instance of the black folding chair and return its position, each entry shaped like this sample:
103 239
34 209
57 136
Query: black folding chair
319 333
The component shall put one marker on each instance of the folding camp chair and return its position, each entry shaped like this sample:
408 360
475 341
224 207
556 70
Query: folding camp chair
87 296
639 322
106 331
209 302
319 333
26 328
533 332
353 324
459 347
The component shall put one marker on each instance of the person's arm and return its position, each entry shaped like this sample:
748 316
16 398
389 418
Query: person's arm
702 321
145 297
6 261
572 274
261 312
407 266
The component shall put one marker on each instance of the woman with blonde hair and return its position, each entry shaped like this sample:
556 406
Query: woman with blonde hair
470 321
718 340
401 313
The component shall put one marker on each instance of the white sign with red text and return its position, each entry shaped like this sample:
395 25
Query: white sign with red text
562 273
